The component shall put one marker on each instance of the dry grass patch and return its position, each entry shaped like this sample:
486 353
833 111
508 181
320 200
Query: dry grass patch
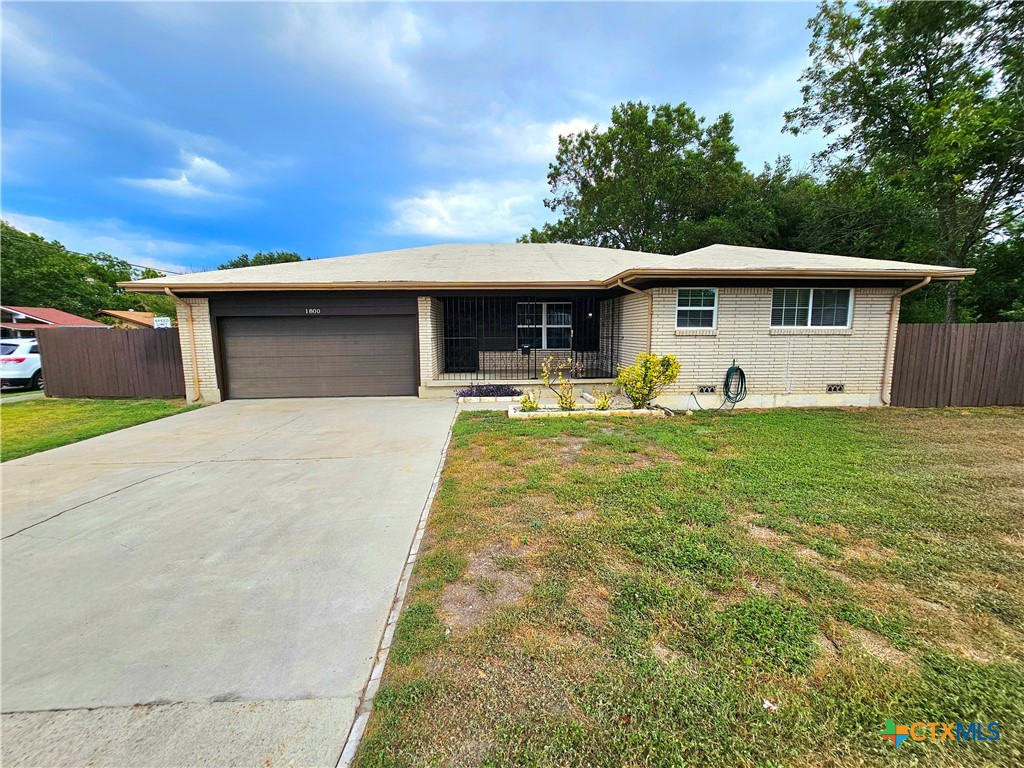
628 592
880 648
489 582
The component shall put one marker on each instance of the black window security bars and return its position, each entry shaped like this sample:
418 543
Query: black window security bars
510 337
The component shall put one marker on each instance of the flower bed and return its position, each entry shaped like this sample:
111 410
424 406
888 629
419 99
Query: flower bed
488 399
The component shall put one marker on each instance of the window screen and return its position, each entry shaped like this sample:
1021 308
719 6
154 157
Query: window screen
695 307
807 307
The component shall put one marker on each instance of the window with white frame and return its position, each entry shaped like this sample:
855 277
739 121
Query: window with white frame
544 325
811 307
697 308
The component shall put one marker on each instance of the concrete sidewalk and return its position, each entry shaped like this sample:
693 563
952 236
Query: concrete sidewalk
210 588
21 398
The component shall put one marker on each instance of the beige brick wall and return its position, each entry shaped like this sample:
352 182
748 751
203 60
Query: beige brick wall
209 389
782 365
631 314
430 312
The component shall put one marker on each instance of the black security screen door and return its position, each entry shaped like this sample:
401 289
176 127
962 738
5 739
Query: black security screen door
509 337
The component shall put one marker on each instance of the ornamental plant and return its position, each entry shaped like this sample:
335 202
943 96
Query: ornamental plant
530 401
557 376
602 399
489 390
647 378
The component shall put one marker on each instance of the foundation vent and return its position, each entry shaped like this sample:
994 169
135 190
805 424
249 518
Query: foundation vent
835 388
707 389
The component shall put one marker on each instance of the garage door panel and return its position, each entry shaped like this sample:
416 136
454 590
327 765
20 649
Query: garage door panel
335 356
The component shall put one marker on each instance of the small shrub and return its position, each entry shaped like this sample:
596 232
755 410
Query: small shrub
489 390
602 399
557 376
647 378
530 401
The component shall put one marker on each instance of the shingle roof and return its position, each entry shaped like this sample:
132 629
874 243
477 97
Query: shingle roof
526 264
51 316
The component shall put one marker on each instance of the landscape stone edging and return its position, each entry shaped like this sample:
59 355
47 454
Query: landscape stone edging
516 414
508 399
365 707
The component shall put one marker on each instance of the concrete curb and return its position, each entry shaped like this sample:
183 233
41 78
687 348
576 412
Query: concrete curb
365 708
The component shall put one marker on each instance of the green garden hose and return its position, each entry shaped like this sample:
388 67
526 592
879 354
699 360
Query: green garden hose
735 388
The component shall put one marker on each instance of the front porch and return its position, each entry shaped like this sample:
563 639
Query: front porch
507 338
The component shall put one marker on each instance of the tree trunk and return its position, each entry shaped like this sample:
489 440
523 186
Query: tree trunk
952 291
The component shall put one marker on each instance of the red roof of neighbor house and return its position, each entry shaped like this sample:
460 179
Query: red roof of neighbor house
130 316
50 316
26 326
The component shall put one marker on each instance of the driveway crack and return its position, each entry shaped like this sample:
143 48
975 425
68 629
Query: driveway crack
260 436
104 496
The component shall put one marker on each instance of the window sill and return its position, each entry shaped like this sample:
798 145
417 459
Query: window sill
810 332
696 332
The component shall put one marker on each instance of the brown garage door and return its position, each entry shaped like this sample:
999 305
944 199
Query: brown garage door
340 356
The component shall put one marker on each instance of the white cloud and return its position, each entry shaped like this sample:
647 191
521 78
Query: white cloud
186 141
27 57
364 45
473 210
124 242
499 143
199 177
534 141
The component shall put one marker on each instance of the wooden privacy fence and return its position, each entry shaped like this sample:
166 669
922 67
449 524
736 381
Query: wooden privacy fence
959 364
111 362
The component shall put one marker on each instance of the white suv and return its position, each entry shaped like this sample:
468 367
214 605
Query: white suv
20 365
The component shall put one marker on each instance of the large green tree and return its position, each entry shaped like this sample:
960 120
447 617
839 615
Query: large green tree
658 178
996 292
925 101
35 272
260 259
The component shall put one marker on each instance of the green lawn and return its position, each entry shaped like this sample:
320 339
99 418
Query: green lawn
628 592
18 393
37 425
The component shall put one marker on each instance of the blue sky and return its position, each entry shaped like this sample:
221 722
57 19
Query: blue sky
181 135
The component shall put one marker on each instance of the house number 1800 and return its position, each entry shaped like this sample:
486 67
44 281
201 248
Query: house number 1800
311 311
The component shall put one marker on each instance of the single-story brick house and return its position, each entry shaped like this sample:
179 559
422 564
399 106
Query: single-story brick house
806 328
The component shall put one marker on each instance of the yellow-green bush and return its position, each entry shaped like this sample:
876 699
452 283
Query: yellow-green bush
647 378
602 399
530 401
557 376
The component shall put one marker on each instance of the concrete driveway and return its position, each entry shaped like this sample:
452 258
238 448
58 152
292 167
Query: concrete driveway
208 589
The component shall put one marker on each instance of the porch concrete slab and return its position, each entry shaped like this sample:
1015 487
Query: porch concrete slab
205 609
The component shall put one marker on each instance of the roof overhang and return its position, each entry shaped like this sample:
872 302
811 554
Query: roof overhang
793 274
630 274
389 286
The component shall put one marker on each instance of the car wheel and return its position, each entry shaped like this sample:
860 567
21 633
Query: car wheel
37 381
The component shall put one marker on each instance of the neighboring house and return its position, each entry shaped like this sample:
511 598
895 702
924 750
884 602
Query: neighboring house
806 328
23 322
128 318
